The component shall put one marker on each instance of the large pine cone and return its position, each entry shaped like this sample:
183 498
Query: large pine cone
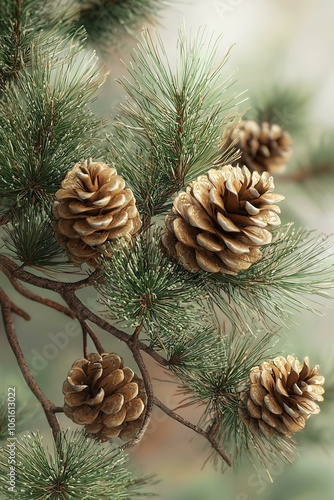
263 148
105 397
222 220
93 207
282 395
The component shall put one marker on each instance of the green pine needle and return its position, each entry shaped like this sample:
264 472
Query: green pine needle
46 125
217 387
108 21
18 21
23 23
288 277
170 129
31 239
142 287
187 348
236 353
82 469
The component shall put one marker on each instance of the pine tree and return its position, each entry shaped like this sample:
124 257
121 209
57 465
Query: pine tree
166 211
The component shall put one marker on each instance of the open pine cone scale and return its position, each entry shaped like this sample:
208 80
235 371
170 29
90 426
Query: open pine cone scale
282 395
93 207
222 220
104 396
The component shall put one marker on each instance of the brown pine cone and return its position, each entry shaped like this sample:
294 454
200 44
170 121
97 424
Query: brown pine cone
105 397
263 148
93 207
282 395
222 220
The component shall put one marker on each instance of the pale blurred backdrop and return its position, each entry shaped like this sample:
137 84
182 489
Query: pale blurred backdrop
280 41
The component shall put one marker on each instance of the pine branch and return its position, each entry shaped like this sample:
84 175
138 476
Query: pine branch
22 24
46 125
37 298
135 349
218 387
109 21
78 467
317 165
170 129
140 286
15 36
68 292
281 105
7 309
287 278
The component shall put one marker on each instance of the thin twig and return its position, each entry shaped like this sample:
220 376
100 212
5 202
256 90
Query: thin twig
149 393
4 218
67 292
37 298
83 313
87 329
208 435
8 307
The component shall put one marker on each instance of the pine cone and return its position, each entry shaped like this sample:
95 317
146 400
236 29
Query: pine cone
281 397
105 397
263 148
93 208
222 220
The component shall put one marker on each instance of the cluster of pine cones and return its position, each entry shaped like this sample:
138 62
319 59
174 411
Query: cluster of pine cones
218 225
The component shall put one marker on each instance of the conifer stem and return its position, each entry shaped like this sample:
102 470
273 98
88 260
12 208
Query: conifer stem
37 298
148 389
208 435
67 292
8 308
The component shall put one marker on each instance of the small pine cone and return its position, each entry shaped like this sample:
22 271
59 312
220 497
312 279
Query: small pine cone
263 148
222 220
104 396
282 395
93 207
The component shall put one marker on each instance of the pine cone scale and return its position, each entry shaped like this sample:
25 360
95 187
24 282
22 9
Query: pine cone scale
91 204
112 396
221 218
281 395
112 404
263 147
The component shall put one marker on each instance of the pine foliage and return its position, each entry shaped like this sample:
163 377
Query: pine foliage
78 468
209 329
169 130
107 21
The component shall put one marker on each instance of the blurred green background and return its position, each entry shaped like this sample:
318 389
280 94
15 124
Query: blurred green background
277 43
